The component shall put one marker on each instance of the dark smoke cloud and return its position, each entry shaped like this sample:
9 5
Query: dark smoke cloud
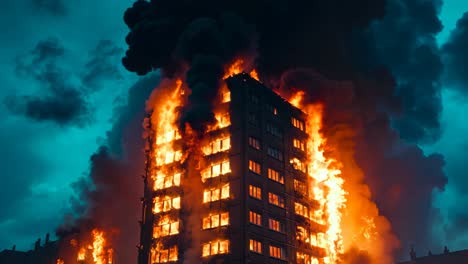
404 41
58 101
54 7
387 50
102 64
109 196
456 56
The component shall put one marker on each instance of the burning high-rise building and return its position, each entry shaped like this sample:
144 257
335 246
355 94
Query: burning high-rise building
248 192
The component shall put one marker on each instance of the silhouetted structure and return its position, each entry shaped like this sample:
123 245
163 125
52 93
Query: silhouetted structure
456 257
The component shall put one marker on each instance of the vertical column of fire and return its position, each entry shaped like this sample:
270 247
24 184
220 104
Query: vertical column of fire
215 148
326 183
165 172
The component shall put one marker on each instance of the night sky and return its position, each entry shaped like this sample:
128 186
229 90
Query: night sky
64 88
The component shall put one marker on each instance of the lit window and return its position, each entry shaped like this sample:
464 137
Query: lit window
254 143
226 97
255 192
275 153
255 218
215 170
163 182
215 248
302 234
301 209
224 120
166 227
275 200
274 225
255 167
255 246
275 176
272 109
216 194
165 204
298 123
298 144
276 252
300 187
274 130
167 157
218 145
297 164
216 220
303 258
164 255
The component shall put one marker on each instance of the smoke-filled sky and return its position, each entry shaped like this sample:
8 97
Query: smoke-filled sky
64 88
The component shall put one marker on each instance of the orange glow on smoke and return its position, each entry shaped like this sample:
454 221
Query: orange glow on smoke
60 261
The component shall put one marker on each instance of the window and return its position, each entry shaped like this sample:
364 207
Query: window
253 98
274 130
215 170
276 200
164 255
163 182
272 109
163 158
255 218
216 220
165 204
276 252
226 97
302 234
301 209
299 144
166 227
275 153
300 187
215 247
216 194
274 225
275 176
255 192
255 167
298 123
168 137
254 143
255 246
218 145
252 118
297 164
224 120
303 258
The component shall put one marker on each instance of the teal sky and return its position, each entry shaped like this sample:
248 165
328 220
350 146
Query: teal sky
42 160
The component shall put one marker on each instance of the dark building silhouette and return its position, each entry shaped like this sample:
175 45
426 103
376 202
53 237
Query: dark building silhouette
456 257
250 204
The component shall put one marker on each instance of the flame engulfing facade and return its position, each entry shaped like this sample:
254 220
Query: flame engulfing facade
256 187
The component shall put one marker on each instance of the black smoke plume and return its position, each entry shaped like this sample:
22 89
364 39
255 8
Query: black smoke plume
456 57
109 196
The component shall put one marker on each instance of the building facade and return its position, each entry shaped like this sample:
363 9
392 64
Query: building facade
247 200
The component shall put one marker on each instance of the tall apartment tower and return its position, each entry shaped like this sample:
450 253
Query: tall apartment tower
251 204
